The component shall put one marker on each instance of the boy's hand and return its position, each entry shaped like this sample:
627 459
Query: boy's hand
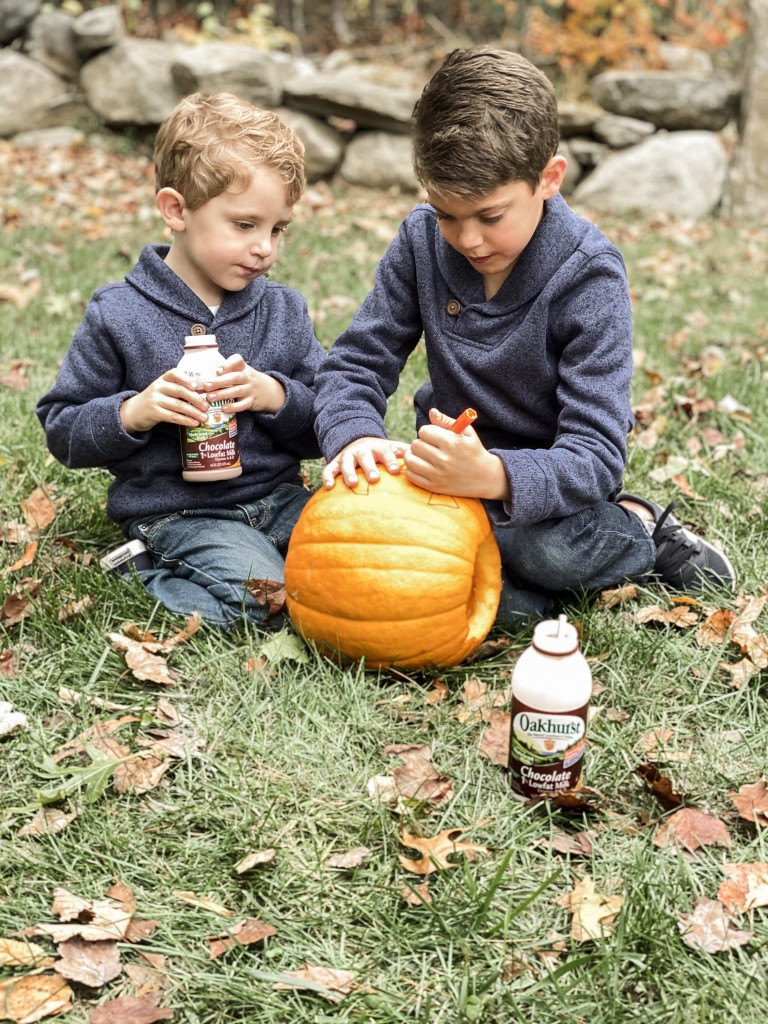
169 399
364 453
244 389
447 463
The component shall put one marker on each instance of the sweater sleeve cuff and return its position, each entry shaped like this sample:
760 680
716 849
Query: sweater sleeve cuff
344 433
108 434
528 488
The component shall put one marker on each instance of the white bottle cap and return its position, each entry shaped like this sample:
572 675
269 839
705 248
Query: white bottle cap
199 340
556 636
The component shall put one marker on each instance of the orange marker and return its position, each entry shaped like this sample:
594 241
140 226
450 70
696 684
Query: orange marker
463 421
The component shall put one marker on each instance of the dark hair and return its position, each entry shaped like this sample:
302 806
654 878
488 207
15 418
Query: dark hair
485 118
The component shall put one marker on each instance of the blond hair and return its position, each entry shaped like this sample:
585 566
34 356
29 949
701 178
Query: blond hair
486 117
209 144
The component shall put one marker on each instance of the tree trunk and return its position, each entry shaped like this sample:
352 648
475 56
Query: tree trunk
747 196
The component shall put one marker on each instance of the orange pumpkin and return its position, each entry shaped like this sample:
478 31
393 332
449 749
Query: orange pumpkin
393 574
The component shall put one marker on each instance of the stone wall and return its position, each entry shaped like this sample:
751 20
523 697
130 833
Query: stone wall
657 141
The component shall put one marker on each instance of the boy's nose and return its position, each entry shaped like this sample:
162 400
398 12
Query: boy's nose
470 237
262 246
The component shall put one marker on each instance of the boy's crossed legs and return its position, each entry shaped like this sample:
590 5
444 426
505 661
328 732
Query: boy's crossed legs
204 557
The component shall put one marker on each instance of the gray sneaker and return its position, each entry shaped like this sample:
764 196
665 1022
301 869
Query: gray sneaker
683 561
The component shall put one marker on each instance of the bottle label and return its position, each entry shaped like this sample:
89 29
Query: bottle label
546 750
213 444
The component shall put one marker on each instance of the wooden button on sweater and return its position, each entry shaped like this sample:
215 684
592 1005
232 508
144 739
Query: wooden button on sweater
453 308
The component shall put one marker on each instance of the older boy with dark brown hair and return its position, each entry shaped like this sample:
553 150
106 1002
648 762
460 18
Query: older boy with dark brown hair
525 312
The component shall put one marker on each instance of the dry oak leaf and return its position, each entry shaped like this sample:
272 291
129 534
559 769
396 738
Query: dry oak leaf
680 616
610 598
745 888
417 778
269 594
255 859
39 511
337 983
96 920
243 934
143 663
710 929
690 828
90 963
47 821
140 774
130 1010
752 802
594 914
34 996
353 858
494 742
660 785
416 895
436 850
30 552
577 845
18 953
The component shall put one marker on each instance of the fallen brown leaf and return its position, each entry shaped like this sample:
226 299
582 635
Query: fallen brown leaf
751 802
690 828
18 953
660 785
436 850
243 934
338 984
143 663
269 594
354 858
34 996
90 963
130 1010
416 895
39 510
26 559
745 888
494 742
47 821
255 859
594 914
417 778
710 929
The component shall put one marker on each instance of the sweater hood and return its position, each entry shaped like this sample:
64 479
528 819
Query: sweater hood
154 279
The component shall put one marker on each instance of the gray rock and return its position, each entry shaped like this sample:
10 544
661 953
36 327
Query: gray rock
668 100
251 74
573 172
380 160
686 59
131 83
51 41
576 118
323 145
619 132
98 30
28 92
370 106
681 173
50 138
15 15
588 152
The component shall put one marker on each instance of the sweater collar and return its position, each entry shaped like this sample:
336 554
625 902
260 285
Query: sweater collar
154 278
554 240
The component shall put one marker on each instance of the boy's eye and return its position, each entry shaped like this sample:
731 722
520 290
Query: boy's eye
279 229
491 220
244 225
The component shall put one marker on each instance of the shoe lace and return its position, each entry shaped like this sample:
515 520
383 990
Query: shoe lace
673 546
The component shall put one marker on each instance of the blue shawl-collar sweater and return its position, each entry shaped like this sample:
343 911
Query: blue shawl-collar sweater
132 332
547 362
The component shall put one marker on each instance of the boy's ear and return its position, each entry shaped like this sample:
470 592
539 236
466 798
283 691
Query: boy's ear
552 176
171 205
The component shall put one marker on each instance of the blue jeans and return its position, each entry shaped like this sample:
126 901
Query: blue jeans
599 547
203 557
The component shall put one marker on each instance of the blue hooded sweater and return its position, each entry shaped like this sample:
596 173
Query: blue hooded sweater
132 333
546 362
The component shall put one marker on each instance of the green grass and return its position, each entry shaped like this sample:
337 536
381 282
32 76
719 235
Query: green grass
288 752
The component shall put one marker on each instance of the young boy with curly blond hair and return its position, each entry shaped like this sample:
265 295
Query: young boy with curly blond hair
525 312
227 177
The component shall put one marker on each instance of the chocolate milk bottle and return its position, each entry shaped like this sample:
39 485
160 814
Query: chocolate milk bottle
551 688
209 451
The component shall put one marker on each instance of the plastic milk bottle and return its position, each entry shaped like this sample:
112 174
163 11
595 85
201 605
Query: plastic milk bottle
209 451
551 688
